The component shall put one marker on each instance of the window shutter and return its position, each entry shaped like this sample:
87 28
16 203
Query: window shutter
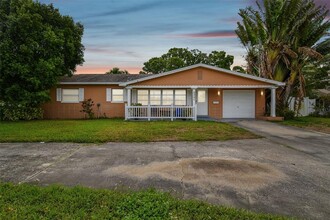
58 94
81 94
108 94
125 95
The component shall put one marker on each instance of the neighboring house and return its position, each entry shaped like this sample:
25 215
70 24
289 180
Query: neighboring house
195 91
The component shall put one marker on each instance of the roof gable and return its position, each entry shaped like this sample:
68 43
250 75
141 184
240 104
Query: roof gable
202 74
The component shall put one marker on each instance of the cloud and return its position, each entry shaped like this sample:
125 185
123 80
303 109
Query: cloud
210 34
90 69
99 50
128 10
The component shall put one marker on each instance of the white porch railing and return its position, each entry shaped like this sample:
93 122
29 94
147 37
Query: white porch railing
160 112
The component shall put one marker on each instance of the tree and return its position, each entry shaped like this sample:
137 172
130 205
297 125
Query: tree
116 70
239 69
37 46
280 39
317 73
180 57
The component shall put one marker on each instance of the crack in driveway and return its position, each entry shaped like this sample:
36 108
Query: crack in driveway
60 159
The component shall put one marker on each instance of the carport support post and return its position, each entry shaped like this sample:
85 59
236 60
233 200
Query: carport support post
273 102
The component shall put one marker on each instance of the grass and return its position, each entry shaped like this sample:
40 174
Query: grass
59 202
117 130
312 123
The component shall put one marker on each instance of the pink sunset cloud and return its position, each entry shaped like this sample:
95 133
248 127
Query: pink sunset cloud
211 34
103 69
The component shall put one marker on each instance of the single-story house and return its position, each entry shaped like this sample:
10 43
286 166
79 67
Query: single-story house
188 93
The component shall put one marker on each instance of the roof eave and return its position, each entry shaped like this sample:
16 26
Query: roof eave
90 83
244 75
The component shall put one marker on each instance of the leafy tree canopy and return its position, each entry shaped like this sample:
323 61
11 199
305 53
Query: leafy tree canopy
282 37
317 73
181 57
116 70
37 46
239 69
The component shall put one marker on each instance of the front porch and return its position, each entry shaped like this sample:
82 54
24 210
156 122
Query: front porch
155 103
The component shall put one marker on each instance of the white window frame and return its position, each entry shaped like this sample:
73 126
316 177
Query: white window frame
161 96
114 96
137 96
175 95
63 95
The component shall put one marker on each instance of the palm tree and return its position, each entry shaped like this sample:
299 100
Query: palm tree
280 39
116 70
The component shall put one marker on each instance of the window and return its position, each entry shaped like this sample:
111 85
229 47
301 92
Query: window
70 95
155 97
167 97
117 95
162 97
180 97
201 95
143 97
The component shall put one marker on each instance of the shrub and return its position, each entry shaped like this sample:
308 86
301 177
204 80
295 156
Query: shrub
286 113
136 104
87 106
18 111
322 107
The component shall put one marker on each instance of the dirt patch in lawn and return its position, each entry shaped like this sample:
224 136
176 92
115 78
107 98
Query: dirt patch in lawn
206 172
319 129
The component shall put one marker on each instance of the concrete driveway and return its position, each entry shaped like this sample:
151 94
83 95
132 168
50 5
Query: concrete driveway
314 144
259 174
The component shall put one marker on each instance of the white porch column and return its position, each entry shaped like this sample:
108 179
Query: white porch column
194 96
194 103
129 92
273 102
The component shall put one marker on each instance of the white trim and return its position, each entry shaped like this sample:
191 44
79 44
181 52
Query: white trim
123 96
207 86
108 94
70 102
208 67
58 94
90 83
81 94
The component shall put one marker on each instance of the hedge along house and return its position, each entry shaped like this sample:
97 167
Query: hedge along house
191 92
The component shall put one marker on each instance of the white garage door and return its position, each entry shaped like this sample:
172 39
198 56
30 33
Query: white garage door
239 104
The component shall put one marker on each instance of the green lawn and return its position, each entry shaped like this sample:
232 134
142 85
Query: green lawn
59 202
312 123
117 130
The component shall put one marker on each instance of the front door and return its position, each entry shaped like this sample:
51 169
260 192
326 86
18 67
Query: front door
202 102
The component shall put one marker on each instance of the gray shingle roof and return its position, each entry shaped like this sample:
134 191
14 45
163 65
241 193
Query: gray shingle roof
101 78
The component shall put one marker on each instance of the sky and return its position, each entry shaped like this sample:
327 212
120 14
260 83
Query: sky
127 33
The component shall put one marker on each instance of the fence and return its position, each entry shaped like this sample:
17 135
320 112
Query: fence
307 106
160 112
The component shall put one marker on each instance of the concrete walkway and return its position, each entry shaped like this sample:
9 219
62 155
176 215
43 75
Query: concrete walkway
257 174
